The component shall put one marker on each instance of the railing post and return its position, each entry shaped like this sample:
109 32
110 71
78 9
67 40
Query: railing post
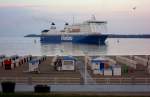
30 79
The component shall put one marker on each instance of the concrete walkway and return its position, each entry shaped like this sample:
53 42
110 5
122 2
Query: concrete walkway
101 88
86 88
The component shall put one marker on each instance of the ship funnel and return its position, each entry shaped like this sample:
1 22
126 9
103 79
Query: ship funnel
53 25
66 28
66 24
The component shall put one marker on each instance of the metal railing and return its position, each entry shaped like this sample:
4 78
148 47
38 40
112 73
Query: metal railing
69 80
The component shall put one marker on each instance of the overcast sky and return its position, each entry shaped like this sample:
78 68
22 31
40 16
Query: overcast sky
78 4
122 15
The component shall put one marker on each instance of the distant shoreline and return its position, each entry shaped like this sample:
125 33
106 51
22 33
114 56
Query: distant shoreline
109 36
129 36
32 35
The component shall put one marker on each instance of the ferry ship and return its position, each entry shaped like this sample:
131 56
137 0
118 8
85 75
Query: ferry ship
89 32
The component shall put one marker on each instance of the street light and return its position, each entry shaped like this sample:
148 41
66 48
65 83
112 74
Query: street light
85 67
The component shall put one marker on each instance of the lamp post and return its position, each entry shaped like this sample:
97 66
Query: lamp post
85 67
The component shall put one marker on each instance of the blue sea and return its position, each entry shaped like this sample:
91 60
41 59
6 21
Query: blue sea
17 22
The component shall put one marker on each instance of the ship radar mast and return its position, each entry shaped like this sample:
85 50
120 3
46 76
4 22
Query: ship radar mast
93 17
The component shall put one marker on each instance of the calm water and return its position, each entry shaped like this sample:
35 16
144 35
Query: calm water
24 46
